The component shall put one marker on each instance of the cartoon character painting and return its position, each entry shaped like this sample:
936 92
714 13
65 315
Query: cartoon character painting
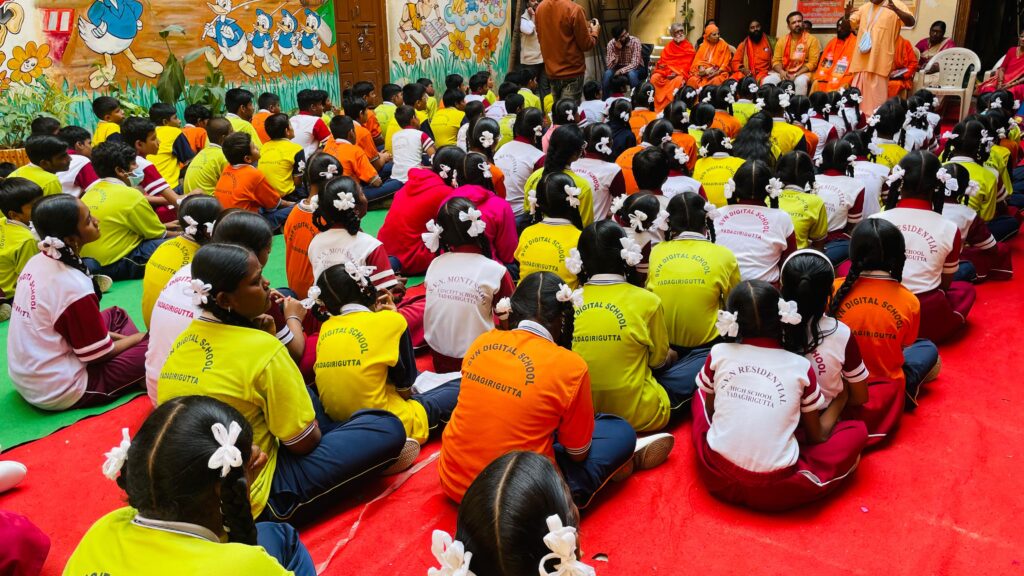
12 16
109 28
421 23
310 39
263 43
230 39
285 37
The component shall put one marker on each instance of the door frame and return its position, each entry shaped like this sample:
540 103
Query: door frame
384 33
963 14
713 5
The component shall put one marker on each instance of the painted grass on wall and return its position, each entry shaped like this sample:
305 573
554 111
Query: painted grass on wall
445 63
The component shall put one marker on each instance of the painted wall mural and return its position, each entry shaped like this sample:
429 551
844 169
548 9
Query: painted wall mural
88 47
434 38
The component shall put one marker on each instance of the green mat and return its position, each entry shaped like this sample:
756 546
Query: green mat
21 422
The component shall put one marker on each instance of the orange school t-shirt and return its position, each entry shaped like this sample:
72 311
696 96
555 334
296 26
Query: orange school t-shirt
640 118
245 187
259 122
365 141
354 162
372 124
625 161
518 389
726 123
689 145
196 137
298 233
885 318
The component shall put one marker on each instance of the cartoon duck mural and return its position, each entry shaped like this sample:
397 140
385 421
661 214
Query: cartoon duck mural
285 38
311 39
263 43
12 17
108 28
230 39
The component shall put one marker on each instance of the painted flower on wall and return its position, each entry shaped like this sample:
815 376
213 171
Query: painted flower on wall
28 62
459 7
460 45
5 82
485 43
407 52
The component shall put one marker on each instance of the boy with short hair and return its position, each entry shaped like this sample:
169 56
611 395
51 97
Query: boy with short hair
618 85
139 133
243 186
431 97
196 117
368 92
478 88
17 241
415 96
80 174
269 104
281 158
204 171
410 143
497 111
354 162
355 108
129 228
110 115
593 109
309 128
455 82
174 151
47 156
514 107
238 103
44 126
391 95
448 120
527 84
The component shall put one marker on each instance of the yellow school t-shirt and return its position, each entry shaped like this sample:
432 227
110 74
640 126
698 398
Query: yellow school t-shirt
165 162
586 207
205 169
543 247
164 263
17 247
620 332
385 113
693 277
277 162
713 173
240 125
431 108
742 111
999 159
506 126
549 103
446 124
126 219
250 370
785 136
891 154
103 131
45 180
119 544
530 100
984 203
810 218
353 355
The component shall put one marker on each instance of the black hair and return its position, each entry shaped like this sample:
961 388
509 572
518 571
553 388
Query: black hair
617 31
754 140
799 107
503 517
617 109
713 140
236 98
526 76
136 129
526 124
452 158
722 98
876 244
223 267
316 165
277 125
650 168
167 474
807 279
702 115
243 228
327 216
478 81
73 135
161 112
354 107
938 24
16 192
772 100
201 208
195 113
858 139
644 202
566 143
560 113
594 134
57 216
217 129
43 147
337 289
752 179
821 103
686 213
891 116
658 132
363 88
591 90
111 155
687 95
471 173
104 105
306 99
836 156
920 181
413 93
341 126
618 84
44 125
236 147
268 99
671 149
793 13
707 94
454 81
506 89
474 111
6 168
476 137
536 299
514 103
743 88
425 82
678 114
553 201
756 305
796 169
456 232
404 115
451 98
963 180
599 246
643 96
917 112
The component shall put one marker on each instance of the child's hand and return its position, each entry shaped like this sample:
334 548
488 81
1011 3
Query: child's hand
257 461
266 323
293 307
385 302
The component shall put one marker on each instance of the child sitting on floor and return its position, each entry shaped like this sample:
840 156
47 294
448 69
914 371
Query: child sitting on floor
883 128
567 146
716 167
243 186
197 116
410 145
267 105
47 156
140 134
593 108
981 257
598 166
810 219
174 151
281 159
80 174
110 115
843 196
299 230
619 113
544 245
308 128
204 171
17 241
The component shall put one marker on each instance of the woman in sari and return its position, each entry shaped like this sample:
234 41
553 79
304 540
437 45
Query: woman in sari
713 62
929 47
673 68
1009 76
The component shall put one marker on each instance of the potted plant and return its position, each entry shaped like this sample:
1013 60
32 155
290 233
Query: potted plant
22 104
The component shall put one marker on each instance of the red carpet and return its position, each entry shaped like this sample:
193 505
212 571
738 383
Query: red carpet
944 498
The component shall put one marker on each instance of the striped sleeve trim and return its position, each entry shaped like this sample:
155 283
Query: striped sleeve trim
157 187
858 374
706 380
285 336
578 451
951 267
813 401
301 435
987 244
95 351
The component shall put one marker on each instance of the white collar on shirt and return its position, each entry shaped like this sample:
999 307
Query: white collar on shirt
232 115
607 279
720 155
535 328
16 223
879 140
877 274
392 104
691 236
113 181
183 528
353 308
341 141
556 221
961 159
782 120
212 145
793 188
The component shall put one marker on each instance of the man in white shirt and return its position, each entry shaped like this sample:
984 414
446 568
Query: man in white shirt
529 48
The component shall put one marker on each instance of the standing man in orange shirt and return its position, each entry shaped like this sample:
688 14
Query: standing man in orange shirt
565 36
754 55
796 56
834 67
878 24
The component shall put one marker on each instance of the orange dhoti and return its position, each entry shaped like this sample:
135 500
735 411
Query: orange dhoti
671 71
713 63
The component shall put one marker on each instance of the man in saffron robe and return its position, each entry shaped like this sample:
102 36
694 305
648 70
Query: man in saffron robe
754 54
878 24
834 68
796 56
901 80
713 63
673 68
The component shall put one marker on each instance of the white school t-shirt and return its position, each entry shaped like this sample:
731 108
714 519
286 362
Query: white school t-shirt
822 129
408 145
600 174
302 126
460 140
840 195
757 236
517 161
836 359
67 178
461 289
676 185
593 112
933 246
496 111
337 246
172 314
964 217
872 176
760 394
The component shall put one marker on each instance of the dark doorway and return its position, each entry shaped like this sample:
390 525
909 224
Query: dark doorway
733 18
992 29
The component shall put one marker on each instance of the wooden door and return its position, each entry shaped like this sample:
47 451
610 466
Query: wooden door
361 42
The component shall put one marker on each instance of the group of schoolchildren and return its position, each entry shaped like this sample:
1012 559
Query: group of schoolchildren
777 267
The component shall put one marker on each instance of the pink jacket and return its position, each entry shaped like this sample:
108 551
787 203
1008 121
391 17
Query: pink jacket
414 205
501 222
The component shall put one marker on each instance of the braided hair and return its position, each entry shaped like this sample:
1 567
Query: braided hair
876 244
536 299
752 180
553 201
643 97
526 124
891 117
224 267
471 173
677 114
338 288
328 216
58 216
599 246
756 305
686 213
721 99
713 140
807 278
919 181
796 169
203 210
836 156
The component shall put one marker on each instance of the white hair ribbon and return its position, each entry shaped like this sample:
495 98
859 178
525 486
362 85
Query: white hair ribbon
707 98
330 172
451 554
312 298
819 160
784 100
561 540
856 97
637 219
538 130
485 169
192 226
728 323
896 175
702 152
345 201
314 202
200 292
603 146
572 195
476 226
973 187
360 274
759 104
574 263
711 211
432 237
730 99
996 104
729 189
531 199
624 116
503 308
51 246
227 456
650 97
727 143
1001 133
117 456
666 138
752 88
827 109
774 187
875 149
617 203
661 221
486 138
566 294
301 167
455 178
569 116
947 179
788 312
682 157
443 171
874 120
631 253
851 159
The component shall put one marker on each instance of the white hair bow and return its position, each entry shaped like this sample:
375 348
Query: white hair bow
314 202
752 88
561 540
875 149
896 175
637 219
455 178
851 159
485 169
947 135
784 100
432 237
566 294
711 211
707 98
476 226
727 143
200 292
728 323
827 109
774 187
631 252
617 203
227 456
973 187
569 116
574 263
666 138
759 104
572 194
856 97
486 138
873 120
1001 133
193 227
682 157
345 201
650 97
661 221
996 104
819 160
842 101
947 179
443 171
730 99
788 313
603 146
51 246
301 168
451 554
531 200
360 274
330 172
624 116
117 456
729 189
538 130
702 152
503 308
312 298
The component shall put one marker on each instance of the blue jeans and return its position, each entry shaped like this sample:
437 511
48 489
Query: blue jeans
385 171
680 379
439 404
838 251
387 188
611 446
1003 227
918 359
966 273
277 216
282 542
522 221
132 266
635 76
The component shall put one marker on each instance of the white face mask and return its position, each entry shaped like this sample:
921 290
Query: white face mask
135 177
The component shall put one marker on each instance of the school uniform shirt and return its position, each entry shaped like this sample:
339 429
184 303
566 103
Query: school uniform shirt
125 217
55 330
409 146
505 129
693 278
586 207
620 332
122 542
171 314
785 136
393 128
165 262
998 160
298 232
933 244
239 124
79 176
844 200
18 244
251 371
496 111
758 236
872 176
518 160
446 124
742 110
462 289
972 229
760 393
259 123
173 153
365 141
810 220
310 132
884 317
244 186
518 390
640 118
530 100
205 170
713 172
460 139
501 230
837 359
337 246
984 203
625 162
645 239
593 111
373 123
825 131
354 162
679 184
726 123
891 154
197 137
689 145
45 180
606 180
916 138
622 136
279 162
543 247
384 113
106 131
152 182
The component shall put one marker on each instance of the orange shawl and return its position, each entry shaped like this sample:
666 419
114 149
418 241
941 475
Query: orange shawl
710 55
672 69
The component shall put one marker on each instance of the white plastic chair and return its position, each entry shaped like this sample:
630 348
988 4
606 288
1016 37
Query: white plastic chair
958 74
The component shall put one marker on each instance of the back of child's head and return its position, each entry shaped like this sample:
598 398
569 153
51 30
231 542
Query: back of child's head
338 287
724 98
136 129
689 212
642 212
72 136
44 147
565 112
197 215
536 299
821 103
800 110
58 216
476 171
447 163
412 93
306 99
756 306
679 115
341 126
618 84
929 98
236 98
643 96
363 88
752 183
451 98
506 89
591 90
237 146
702 116
565 146
425 82
103 106
454 82
850 97
320 167
528 125
619 112
650 168
404 115
224 267
339 204
754 140
707 94
44 125
599 140
474 111
16 193
876 244
604 248
687 95
246 229
838 155
7 168
807 277
524 76
678 159
484 136
354 107
217 129
553 192
159 113
196 113
860 141
776 100
462 224
478 82
917 112
277 126
747 88
170 472
714 141
888 119
268 100
110 156
918 178
796 169
964 189
514 103
658 132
